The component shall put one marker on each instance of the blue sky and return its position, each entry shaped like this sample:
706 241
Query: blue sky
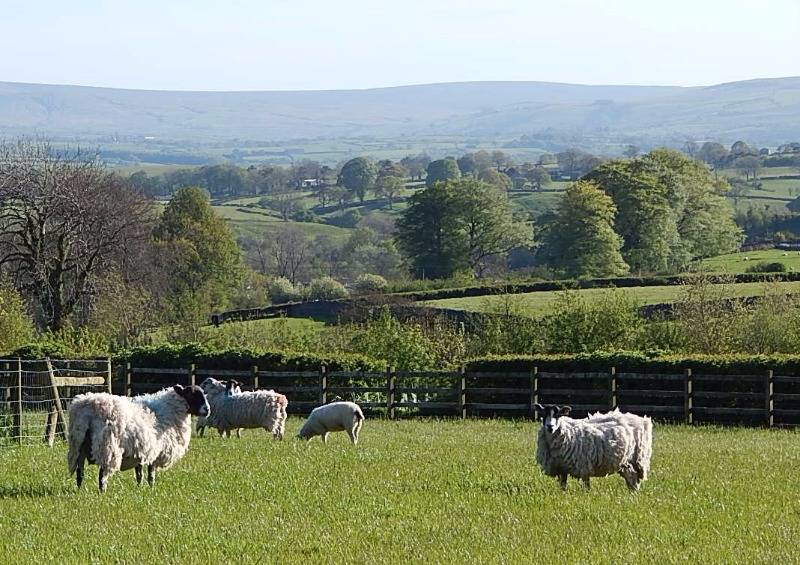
322 44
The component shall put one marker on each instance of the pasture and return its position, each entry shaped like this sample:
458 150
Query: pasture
735 262
412 491
535 303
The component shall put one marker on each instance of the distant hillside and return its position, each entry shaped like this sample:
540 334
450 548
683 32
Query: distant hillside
762 111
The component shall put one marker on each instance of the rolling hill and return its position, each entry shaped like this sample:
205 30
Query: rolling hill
764 111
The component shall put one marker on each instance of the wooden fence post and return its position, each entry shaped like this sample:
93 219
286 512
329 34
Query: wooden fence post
61 421
108 375
128 377
462 393
769 398
534 384
390 386
613 382
255 377
323 385
16 429
688 396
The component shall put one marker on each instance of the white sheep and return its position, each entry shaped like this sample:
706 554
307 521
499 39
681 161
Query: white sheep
119 433
584 448
642 428
257 409
333 417
231 387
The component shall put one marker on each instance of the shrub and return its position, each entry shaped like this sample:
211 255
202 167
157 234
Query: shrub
326 288
348 219
16 327
282 290
767 267
369 283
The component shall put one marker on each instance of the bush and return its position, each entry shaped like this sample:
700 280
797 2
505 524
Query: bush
16 327
368 283
282 290
326 288
767 267
348 219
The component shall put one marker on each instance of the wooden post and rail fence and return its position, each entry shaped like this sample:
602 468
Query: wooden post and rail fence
763 399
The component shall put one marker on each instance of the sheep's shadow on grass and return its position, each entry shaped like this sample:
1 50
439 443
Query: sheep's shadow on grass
32 491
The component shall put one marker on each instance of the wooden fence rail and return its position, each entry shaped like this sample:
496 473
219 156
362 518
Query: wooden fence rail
764 400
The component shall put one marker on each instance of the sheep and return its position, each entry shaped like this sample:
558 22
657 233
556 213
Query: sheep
585 448
642 428
257 409
119 433
333 417
231 387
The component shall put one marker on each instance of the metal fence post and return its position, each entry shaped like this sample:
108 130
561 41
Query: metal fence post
128 378
255 377
613 380
17 420
462 393
108 375
323 385
534 384
390 385
688 396
191 375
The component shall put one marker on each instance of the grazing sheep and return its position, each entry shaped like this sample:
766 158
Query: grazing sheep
119 433
584 448
231 387
333 417
257 409
642 428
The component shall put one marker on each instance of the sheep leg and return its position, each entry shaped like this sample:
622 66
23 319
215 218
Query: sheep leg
238 432
562 480
201 430
138 471
151 475
79 472
325 438
586 484
353 433
102 479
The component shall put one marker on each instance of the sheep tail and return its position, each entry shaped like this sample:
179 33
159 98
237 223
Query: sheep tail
359 415
78 433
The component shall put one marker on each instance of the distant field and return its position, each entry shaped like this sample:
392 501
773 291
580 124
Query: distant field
412 491
536 303
537 203
254 221
736 263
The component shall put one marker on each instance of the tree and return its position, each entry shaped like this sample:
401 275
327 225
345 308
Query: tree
456 226
442 170
358 176
631 151
427 233
64 220
691 148
288 251
495 178
500 160
389 187
282 202
200 255
713 153
415 165
537 176
304 170
580 240
750 165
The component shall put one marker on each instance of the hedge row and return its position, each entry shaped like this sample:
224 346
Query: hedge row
545 286
641 362
180 356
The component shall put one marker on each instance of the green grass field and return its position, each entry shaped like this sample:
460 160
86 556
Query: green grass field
535 303
412 491
735 262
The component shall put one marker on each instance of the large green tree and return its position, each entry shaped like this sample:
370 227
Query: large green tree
442 170
358 176
456 226
200 254
670 209
580 240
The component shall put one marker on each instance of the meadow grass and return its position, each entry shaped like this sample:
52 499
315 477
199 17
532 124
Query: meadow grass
443 491
535 303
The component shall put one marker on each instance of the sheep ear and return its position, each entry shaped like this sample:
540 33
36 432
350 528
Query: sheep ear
539 408
178 389
564 410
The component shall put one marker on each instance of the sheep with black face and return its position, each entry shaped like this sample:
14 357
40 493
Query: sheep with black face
584 449
119 433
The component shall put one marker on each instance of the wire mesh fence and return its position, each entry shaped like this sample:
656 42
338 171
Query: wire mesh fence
35 395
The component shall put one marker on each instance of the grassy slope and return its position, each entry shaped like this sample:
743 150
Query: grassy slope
434 491
537 302
735 262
